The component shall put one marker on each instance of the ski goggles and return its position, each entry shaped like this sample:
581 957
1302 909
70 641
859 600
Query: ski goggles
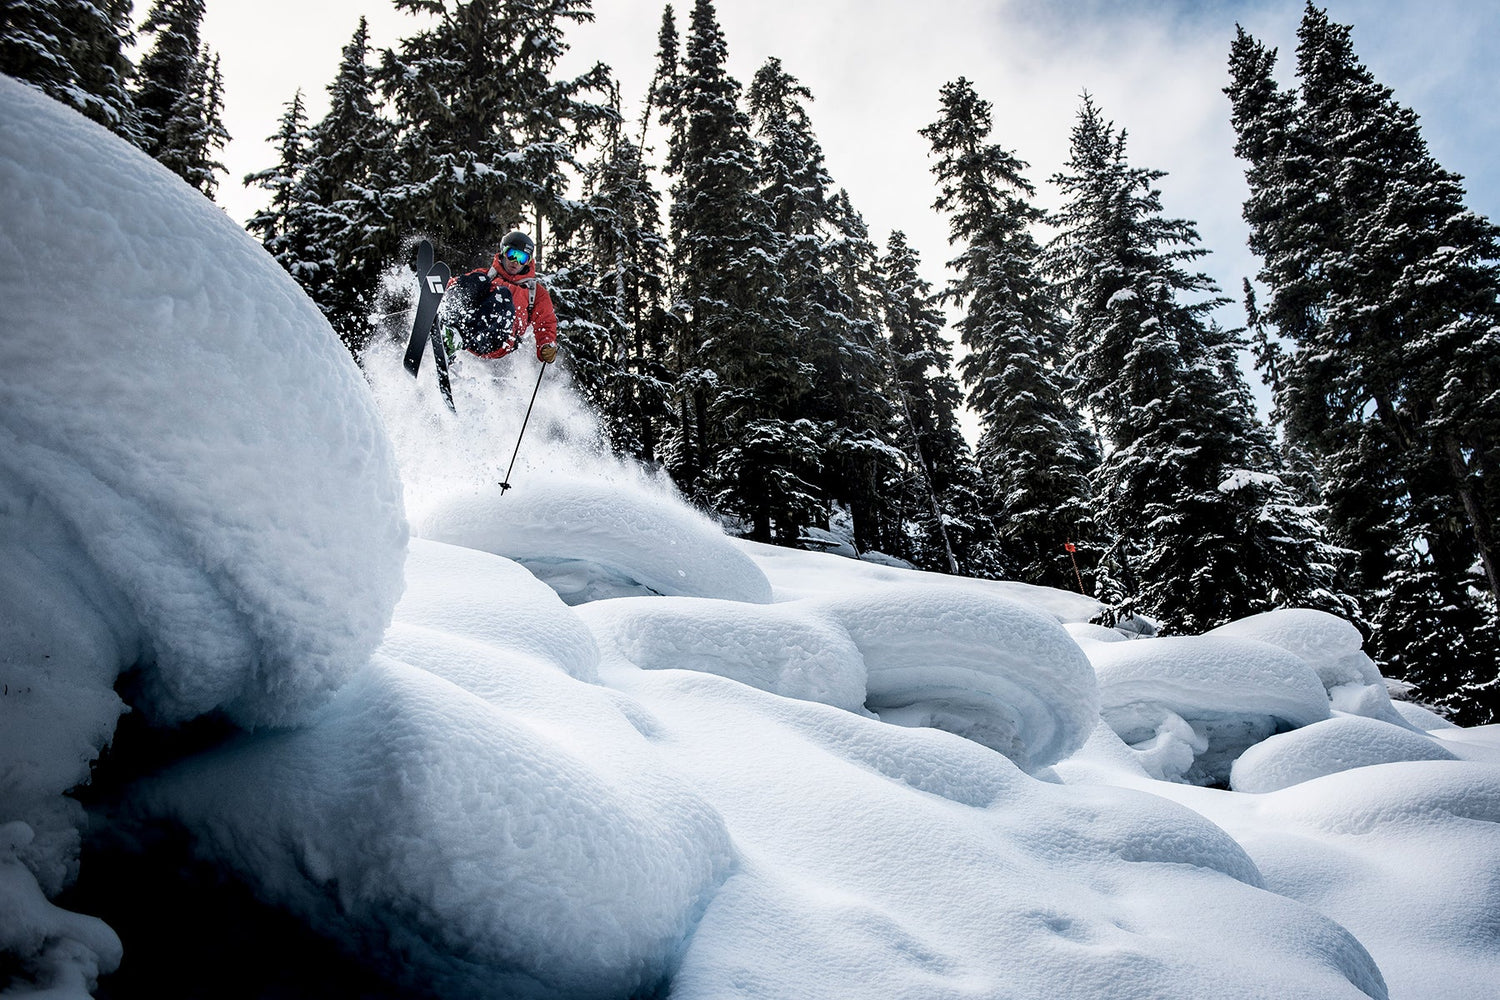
516 255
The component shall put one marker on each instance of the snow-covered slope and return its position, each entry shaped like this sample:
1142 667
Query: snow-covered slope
596 749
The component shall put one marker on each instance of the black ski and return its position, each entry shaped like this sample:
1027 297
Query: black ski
424 257
433 282
440 358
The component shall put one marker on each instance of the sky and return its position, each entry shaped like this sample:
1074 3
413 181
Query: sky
1157 68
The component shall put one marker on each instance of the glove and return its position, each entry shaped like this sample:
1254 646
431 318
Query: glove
547 352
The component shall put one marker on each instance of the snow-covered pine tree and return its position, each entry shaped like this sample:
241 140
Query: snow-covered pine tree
486 133
1385 288
611 285
74 51
179 95
284 223
1033 450
941 495
870 424
1203 526
348 182
740 445
828 263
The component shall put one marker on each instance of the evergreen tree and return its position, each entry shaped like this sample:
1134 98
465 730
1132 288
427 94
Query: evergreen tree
74 51
1032 448
487 133
828 262
179 95
348 183
739 443
941 495
283 224
1204 529
1385 289
610 272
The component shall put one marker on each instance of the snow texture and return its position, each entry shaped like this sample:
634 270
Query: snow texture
193 484
63 950
974 664
183 415
1189 705
1332 647
487 856
787 649
1328 747
618 542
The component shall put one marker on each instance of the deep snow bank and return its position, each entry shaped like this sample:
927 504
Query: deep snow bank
1328 747
1189 705
1330 645
193 479
591 539
468 816
455 844
186 413
965 661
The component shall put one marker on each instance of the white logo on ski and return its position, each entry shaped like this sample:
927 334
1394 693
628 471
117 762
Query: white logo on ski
434 283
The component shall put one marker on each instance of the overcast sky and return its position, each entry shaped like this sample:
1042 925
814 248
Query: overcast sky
1156 67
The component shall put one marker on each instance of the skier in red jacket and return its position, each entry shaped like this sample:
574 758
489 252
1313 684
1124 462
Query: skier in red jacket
492 309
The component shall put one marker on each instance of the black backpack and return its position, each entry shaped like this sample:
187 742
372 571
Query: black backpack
481 319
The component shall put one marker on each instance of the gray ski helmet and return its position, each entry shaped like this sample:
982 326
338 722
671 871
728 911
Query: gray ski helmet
519 240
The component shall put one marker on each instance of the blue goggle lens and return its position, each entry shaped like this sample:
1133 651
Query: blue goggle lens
516 256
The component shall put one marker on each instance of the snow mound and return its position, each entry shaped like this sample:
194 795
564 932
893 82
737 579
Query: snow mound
1421 717
978 665
1087 632
1328 747
589 540
1404 855
782 648
1189 705
479 853
1332 647
796 574
476 595
62 954
881 861
183 415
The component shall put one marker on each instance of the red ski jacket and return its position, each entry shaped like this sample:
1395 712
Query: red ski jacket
533 306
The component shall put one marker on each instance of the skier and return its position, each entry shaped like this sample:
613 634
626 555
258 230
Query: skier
492 309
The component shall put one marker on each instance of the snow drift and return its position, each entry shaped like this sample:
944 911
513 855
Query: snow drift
193 482
181 413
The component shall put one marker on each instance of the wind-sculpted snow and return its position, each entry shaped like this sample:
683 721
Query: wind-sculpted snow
170 397
795 574
1404 855
973 664
194 483
486 856
1189 705
590 540
787 649
1005 887
500 604
1332 647
977 665
1328 747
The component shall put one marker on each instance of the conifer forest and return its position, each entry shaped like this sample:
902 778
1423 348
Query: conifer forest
726 311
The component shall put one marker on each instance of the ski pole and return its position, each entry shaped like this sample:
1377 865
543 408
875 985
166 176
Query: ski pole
505 484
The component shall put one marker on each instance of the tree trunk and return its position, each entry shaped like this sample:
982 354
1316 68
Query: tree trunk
1479 524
